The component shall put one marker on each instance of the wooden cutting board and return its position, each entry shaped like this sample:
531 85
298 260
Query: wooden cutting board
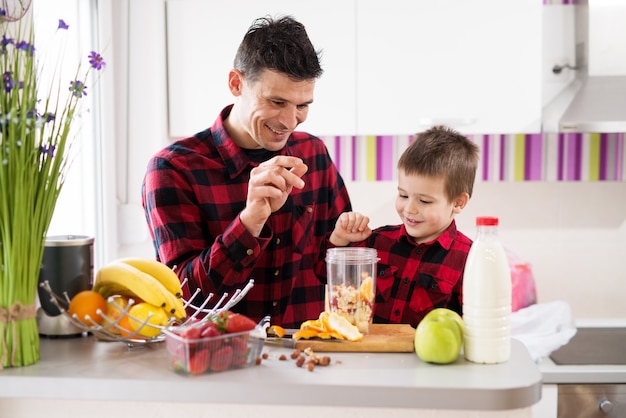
382 338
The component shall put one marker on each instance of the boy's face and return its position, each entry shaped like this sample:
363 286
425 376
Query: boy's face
423 206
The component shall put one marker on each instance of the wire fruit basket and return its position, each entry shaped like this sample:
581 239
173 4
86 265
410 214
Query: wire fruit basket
110 329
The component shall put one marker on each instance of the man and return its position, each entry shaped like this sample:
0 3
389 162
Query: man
251 198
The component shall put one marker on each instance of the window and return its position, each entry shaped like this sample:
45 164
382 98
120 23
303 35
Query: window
79 207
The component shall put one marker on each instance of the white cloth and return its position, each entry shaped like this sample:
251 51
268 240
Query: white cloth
543 327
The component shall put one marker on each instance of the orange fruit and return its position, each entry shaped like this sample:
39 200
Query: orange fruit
305 334
86 304
115 307
342 326
313 324
276 330
124 324
323 320
367 288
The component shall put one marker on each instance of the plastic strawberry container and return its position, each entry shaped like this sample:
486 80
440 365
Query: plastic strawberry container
212 354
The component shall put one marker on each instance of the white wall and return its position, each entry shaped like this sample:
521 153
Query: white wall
573 234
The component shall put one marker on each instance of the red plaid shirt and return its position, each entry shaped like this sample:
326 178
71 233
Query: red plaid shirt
193 193
412 279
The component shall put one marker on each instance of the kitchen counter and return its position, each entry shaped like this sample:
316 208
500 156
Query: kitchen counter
585 374
589 374
70 369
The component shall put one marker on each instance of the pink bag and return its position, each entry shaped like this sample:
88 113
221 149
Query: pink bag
522 283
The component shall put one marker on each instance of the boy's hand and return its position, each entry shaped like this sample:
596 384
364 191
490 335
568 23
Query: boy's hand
350 227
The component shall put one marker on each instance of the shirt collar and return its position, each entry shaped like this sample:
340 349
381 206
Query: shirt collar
445 240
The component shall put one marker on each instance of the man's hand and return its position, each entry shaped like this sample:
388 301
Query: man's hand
350 227
269 186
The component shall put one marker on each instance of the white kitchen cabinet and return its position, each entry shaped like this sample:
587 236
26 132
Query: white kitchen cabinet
475 65
389 68
202 39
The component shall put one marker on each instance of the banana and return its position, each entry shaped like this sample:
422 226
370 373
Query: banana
159 271
174 306
124 279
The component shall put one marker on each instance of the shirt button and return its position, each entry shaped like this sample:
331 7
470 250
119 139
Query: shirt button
381 272
275 303
396 312
277 241
419 251
309 209
250 251
405 280
276 273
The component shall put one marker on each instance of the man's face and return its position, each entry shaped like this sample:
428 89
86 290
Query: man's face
269 109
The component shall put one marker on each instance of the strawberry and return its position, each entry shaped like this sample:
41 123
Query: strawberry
231 322
209 329
199 361
240 346
191 333
221 359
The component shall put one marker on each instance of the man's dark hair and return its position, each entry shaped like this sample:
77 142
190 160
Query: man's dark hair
280 44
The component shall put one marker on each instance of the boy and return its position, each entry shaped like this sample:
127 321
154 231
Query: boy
421 260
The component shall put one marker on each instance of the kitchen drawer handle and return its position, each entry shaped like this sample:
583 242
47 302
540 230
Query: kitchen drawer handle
606 406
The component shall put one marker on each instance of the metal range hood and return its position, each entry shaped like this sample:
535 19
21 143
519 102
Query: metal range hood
596 100
598 106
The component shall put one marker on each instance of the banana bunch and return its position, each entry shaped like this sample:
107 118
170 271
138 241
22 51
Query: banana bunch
148 280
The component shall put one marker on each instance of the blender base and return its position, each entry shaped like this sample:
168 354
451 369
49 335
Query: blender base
59 326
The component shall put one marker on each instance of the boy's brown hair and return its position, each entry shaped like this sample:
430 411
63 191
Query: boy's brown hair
443 152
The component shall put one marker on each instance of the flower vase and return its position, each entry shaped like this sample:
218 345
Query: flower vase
19 337
36 132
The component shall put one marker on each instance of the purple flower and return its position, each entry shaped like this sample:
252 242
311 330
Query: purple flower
47 150
25 46
96 61
63 25
4 42
78 88
7 80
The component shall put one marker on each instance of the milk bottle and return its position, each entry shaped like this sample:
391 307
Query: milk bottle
487 297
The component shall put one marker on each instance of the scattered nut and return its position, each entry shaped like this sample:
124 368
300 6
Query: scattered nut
300 361
324 361
300 357
257 361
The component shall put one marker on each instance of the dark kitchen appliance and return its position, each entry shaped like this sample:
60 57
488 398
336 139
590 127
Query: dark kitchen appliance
592 347
67 265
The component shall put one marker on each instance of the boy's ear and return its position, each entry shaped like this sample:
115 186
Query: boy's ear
460 202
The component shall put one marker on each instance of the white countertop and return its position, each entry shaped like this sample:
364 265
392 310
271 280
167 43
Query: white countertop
69 368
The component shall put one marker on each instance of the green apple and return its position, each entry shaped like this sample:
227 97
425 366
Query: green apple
439 336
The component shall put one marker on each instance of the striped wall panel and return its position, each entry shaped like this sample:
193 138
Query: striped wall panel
561 2
504 157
